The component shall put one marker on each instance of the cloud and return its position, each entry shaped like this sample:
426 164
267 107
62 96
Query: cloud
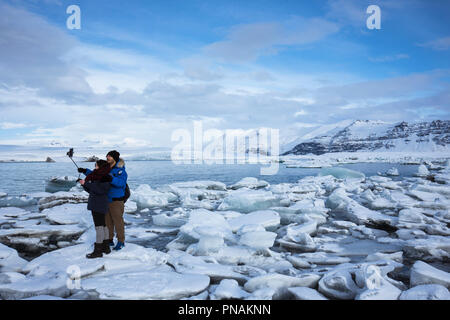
247 42
390 58
12 125
441 44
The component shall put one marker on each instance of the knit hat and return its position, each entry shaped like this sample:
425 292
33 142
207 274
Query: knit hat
114 154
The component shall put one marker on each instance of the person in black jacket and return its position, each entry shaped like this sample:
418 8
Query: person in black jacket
97 184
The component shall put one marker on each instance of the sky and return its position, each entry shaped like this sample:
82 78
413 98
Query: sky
136 71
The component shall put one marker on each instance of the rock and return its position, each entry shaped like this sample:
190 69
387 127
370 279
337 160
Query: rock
426 292
49 160
423 273
305 293
92 159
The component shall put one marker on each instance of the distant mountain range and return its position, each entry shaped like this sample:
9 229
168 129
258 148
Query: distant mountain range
368 135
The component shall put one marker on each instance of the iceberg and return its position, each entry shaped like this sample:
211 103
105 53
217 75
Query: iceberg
251 183
342 173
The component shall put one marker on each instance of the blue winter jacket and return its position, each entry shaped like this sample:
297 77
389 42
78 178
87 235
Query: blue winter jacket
118 182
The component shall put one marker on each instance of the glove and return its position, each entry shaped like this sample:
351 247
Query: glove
82 170
106 178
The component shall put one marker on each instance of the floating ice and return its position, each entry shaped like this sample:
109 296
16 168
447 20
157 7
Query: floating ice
166 221
146 197
423 273
422 171
392 172
147 285
229 289
9 201
305 293
69 214
278 281
244 200
64 183
10 260
62 197
342 173
251 183
258 239
202 221
265 218
201 184
426 292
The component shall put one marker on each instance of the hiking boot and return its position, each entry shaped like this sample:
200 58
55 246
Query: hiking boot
119 246
97 253
106 249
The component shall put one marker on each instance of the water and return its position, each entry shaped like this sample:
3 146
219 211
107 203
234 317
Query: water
19 178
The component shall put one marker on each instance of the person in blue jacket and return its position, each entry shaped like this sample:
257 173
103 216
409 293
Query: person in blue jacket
116 197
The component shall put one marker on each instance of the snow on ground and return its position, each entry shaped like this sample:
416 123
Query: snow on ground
338 235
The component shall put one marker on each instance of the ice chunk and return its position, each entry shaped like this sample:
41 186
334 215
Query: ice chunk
426 292
10 260
166 221
278 281
376 286
305 293
208 244
244 200
361 215
44 297
201 184
338 284
250 182
9 201
264 218
338 199
62 197
423 273
147 285
229 289
202 221
392 172
342 173
64 183
146 197
422 171
69 214
258 239
185 263
295 229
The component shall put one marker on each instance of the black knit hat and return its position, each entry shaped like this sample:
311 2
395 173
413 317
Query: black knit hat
114 154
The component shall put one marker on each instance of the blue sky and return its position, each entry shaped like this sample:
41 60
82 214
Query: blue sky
138 70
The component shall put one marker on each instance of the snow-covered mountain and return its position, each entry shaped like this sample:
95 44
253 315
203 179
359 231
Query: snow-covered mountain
368 135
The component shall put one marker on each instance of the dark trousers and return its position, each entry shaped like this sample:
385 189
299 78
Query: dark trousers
99 219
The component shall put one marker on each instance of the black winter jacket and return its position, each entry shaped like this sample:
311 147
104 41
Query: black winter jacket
98 195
